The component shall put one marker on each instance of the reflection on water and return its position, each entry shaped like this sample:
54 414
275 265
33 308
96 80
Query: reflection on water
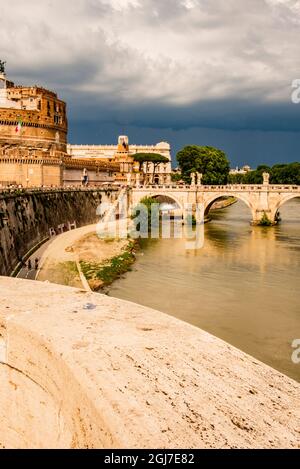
243 286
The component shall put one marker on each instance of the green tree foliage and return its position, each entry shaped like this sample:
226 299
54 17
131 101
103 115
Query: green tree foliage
154 158
256 177
150 158
286 174
209 161
279 174
265 220
176 177
236 178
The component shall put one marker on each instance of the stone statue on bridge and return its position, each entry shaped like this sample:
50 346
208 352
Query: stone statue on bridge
199 179
2 66
266 178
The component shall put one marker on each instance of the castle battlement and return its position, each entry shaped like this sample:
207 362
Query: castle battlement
32 115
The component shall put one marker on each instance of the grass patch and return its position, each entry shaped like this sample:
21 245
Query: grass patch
104 273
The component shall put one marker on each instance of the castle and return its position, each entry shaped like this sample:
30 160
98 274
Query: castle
34 149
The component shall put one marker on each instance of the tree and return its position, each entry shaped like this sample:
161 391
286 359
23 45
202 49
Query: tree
286 173
256 176
279 174
176 177
154 158
211 162
236 178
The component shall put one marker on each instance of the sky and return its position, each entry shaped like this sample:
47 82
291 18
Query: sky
200 72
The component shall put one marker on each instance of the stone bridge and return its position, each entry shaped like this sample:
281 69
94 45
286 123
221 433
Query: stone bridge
262 199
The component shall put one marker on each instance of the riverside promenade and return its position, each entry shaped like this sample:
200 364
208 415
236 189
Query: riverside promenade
83 370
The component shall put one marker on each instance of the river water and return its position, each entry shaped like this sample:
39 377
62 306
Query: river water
242 286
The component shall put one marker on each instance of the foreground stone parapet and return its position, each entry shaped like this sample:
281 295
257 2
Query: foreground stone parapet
83 370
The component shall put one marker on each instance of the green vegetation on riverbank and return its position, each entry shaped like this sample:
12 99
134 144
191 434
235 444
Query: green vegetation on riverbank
104 273
265 221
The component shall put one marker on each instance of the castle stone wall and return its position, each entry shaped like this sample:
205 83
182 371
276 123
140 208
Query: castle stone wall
26 218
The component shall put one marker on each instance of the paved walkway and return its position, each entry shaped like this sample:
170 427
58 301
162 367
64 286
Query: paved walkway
30 274
57 250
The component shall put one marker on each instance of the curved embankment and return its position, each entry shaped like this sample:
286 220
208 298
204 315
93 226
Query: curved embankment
84 370
29 216
60 253
60 262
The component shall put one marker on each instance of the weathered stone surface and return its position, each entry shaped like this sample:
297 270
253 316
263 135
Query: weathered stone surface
26 219
120 375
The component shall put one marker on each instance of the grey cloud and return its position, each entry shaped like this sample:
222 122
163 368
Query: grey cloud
224 64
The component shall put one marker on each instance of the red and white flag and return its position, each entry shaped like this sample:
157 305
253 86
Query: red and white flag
19 127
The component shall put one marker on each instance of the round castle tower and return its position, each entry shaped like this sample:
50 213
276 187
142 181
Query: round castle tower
31 117
33 135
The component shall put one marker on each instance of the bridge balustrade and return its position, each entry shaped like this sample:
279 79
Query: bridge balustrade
227 188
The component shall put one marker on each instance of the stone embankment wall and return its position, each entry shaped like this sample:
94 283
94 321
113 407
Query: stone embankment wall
83 370
27 217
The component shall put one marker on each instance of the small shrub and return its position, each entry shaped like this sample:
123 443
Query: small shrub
265 220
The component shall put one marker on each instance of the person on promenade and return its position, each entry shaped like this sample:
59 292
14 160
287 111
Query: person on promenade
36 264
29 266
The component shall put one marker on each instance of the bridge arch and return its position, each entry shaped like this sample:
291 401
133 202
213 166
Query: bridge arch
208 203
286 199
168 198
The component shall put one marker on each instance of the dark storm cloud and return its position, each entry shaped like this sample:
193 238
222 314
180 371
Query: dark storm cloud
222 114
171 64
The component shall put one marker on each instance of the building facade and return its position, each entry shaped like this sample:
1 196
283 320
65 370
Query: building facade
34 150
32 116
33 135
123 153
33 141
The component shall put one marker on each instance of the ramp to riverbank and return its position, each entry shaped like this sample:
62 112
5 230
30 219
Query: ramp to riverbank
83 370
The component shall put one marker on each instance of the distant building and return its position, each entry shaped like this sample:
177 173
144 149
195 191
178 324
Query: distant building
245 169
123 153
